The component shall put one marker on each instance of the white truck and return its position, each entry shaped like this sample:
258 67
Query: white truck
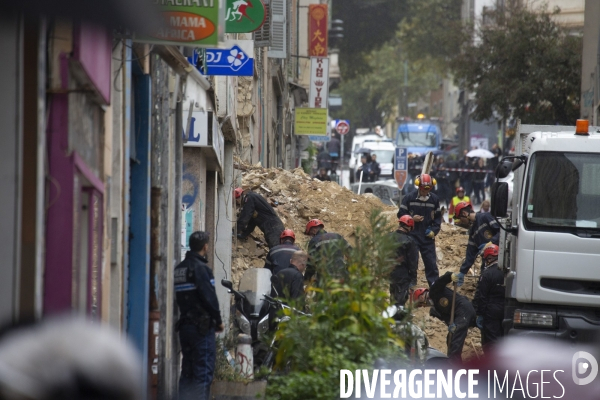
550 249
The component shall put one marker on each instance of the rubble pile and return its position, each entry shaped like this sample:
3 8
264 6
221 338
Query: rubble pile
297 198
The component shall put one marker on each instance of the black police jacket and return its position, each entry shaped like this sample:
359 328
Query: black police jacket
406 255
255 206
429 210
484 229
289 283
489 296
327 249
195 289
279 257
441 296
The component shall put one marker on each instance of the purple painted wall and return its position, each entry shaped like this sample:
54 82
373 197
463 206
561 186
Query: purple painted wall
59 228
92 47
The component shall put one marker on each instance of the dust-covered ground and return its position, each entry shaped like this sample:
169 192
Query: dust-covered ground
297 198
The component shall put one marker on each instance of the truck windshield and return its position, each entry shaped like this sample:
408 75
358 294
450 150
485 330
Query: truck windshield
563 192
384 156
416 139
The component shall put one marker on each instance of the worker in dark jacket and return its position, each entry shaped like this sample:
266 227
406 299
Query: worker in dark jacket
489 298
256 211
325 250
404 274
199 319
289 282
279 257
483 229
440 297
424 207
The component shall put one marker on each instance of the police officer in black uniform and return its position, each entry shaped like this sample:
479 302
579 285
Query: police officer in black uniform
440 297
424 207
279 257
199 319
483 229
489 298
404 274
256 211
325 249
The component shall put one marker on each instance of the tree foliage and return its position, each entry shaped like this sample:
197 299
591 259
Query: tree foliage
524 66
346 329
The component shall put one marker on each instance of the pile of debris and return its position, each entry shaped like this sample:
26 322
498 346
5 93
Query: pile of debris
297 198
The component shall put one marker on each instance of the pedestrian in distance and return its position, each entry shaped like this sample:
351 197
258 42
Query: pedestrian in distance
325 252
485 206
479 178
489 298
289 282
375 168
365 168
483 229
199 319
256 211
424 207
334 148
279 256
441 298
459 198
324 160
404 275
322 175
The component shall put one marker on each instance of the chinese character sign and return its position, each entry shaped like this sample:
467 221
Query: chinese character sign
319 82
317 30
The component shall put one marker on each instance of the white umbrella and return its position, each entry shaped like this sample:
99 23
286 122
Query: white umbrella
480 153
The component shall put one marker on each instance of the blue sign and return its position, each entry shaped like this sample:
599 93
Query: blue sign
224 62
401 160
314 138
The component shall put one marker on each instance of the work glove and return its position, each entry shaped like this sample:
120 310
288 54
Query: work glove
479 322
452 328
430 234
459 278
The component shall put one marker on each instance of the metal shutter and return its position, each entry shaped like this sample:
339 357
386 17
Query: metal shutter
262 37
278 31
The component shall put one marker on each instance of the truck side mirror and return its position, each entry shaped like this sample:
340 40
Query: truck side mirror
504 168
499 192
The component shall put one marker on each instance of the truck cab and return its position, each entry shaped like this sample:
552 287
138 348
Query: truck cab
419 137
550 244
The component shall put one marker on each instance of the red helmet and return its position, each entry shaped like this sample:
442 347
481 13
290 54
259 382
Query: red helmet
425 180
461 206
491 250
417 293
312 223
238 192
407 220
460 189
288 233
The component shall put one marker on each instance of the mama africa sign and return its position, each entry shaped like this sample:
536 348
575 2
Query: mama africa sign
244 16
189 23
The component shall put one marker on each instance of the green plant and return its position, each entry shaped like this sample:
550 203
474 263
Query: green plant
345 329
307 164
223 370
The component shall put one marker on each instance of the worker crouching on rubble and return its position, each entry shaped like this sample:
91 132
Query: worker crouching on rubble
325 250
279 256
256 211
489 298
483 229
440 297
404 274
424 207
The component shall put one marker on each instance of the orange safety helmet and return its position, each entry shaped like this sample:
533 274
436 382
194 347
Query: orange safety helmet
407 220
461 206
312 223
491 250
460 189
425 180
417 293
238 192
287 233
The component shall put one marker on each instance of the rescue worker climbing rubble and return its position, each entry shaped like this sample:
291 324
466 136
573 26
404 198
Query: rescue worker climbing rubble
424 207
325 250
404 275
489 298
279 256
256 211
483 229
440 297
